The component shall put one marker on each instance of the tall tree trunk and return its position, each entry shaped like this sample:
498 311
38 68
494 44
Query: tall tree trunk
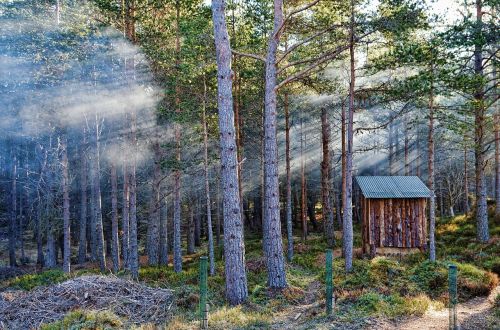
197 226
234 245
39 236
303 191
289 224
153 243
211 255
133 254
115 248
164 231
13 212
466 181
325 179
479 107
391 148
407 148
190 229
496 124
273 249
177 172
343 164
432 199
125 215
99 231
66 214
348 235
51 260
82 241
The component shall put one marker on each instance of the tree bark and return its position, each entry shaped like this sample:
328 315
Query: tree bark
432 199
125 215
479 107
133 254
348 235
190 229
82 241
211 255
303 191
466 181
66 214
234 245
13 212
289 224
96 164
115 248
164 232
154 208
325 179
177 172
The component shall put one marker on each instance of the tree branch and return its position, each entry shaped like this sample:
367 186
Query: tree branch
287 18
317 62
254 56
300 43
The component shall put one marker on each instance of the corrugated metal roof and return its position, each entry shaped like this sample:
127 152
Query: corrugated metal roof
392 187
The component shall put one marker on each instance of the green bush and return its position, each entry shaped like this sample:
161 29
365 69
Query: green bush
431 277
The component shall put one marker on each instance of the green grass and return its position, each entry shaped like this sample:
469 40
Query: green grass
86 320
382 286
30 281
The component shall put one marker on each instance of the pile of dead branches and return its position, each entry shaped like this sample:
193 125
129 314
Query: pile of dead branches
135 302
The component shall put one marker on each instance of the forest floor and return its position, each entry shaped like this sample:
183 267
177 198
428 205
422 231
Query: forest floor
407 292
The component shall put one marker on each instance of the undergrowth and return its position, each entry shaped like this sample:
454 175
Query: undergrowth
378 287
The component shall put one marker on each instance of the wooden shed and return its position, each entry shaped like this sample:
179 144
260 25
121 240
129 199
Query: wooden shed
393 211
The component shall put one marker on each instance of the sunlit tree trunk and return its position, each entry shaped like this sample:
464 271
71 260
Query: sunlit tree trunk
234 246
96 186
347 234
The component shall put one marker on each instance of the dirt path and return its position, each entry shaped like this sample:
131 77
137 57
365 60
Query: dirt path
473 314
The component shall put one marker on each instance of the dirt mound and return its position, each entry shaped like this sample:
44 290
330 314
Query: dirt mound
136 302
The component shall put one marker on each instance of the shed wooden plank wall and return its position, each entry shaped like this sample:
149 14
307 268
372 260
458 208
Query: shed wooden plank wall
397 223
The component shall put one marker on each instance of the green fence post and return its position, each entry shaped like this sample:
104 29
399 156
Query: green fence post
452 297
203 293
329 282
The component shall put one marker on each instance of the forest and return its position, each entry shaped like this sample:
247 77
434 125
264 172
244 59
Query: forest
249 164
